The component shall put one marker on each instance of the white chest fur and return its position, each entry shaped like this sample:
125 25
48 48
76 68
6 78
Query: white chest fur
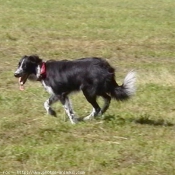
48 88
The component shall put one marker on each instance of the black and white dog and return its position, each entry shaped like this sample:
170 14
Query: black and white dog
93 76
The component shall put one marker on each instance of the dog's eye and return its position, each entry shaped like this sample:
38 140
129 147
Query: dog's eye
24 67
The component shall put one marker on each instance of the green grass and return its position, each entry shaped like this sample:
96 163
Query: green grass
134 137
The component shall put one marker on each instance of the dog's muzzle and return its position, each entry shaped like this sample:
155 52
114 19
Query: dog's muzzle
18 73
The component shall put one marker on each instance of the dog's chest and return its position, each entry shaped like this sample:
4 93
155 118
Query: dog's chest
48 88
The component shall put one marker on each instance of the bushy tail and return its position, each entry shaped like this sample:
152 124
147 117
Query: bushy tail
127 89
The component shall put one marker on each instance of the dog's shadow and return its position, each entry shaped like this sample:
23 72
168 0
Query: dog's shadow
148 121
143 120
116 119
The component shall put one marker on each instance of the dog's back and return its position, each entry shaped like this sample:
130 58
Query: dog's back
68 76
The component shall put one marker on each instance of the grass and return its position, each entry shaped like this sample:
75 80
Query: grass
133 138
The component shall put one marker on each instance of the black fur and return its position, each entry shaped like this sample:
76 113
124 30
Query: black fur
88 74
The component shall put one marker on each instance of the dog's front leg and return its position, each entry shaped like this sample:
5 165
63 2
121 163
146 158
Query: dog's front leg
69 110
49 102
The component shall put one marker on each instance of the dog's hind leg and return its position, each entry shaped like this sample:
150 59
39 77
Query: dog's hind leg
69 110
107 100
92 100
91 115
49 102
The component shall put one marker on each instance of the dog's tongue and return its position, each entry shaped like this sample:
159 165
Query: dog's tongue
21 84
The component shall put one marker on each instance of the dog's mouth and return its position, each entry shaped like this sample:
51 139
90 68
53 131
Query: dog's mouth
22 81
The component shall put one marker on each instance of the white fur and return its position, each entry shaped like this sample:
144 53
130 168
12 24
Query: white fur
38 71
69 111
92 114
19 70
46 105
129 83
48 88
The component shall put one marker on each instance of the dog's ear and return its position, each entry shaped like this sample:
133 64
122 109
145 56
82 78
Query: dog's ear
35 59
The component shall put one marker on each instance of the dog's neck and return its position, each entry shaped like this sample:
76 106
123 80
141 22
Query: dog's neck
41 71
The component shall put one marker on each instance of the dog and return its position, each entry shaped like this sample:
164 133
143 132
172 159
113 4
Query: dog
93 76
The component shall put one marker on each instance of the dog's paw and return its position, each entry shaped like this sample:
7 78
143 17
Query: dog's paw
89 117
52 112
74 120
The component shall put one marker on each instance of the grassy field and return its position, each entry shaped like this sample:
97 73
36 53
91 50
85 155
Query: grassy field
134 137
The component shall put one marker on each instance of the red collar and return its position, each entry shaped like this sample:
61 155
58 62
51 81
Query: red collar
43 70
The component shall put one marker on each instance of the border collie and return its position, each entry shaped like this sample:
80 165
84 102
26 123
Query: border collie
93 76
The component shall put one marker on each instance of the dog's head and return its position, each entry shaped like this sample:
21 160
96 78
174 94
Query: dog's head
27 68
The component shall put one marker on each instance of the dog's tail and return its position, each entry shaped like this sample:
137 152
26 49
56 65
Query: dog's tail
127 89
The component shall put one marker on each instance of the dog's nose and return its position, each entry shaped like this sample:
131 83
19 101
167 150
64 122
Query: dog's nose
16 74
